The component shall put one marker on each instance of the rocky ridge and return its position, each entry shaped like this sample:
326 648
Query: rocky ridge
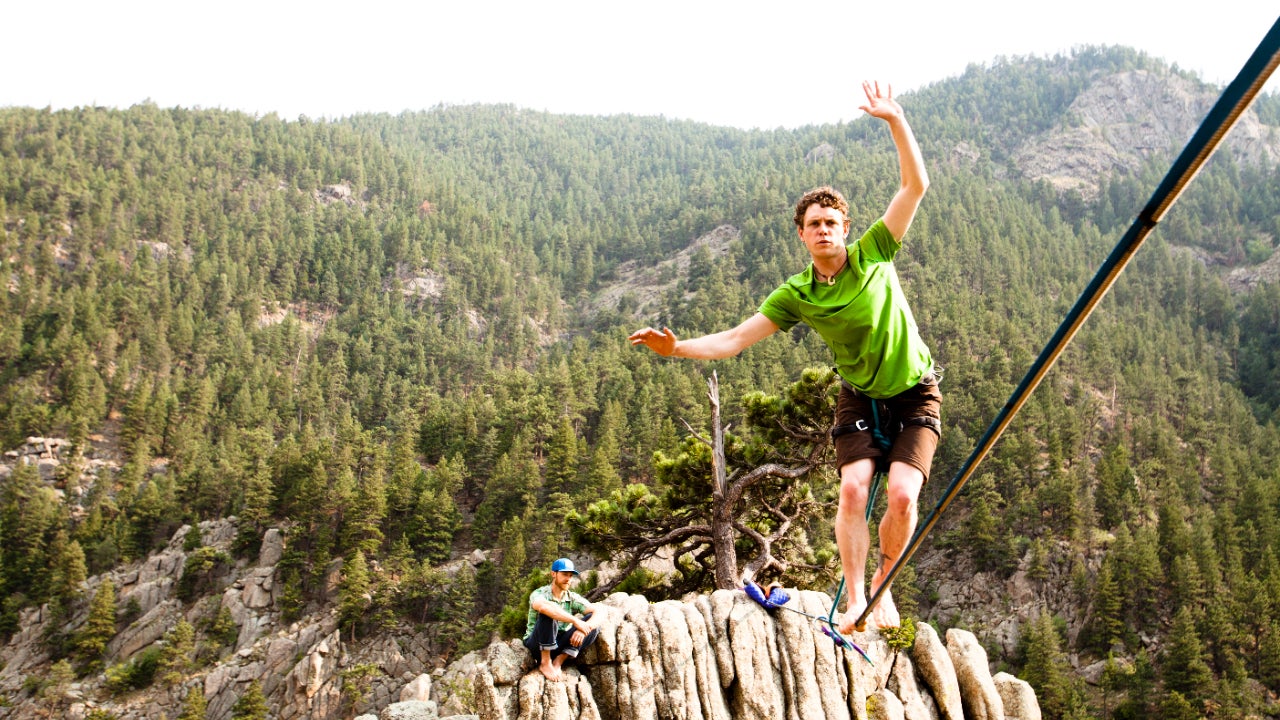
1123 119
721 656
298 665
713 656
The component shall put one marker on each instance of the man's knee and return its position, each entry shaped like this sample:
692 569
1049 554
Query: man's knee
902 502
855 484
903 489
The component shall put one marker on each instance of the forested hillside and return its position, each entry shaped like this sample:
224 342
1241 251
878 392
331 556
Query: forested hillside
386 335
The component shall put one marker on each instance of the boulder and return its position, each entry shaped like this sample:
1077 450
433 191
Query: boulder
884 705
756 663
418 689
933 662
1019 697
981 700
917 704
410 710
272 548
508 661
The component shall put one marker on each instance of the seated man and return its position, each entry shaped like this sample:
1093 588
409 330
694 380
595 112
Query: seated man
559 626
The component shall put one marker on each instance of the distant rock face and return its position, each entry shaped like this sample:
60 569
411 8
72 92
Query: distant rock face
299 665
722 657
1125 118
820 153
639 288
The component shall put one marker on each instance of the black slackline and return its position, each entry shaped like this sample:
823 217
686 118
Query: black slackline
1233 102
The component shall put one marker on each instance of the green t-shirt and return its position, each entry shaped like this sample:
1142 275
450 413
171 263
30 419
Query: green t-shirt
572 602
864 317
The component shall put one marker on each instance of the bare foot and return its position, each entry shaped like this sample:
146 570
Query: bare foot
551 671
885 613
851 613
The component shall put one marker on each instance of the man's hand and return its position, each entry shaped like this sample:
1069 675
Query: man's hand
880 104
663 343
580 630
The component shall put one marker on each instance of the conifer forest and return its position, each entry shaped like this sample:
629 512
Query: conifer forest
402 339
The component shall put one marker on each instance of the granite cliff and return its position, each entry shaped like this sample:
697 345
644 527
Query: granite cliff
716 656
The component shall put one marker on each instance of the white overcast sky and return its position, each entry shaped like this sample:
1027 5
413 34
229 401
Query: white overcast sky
739 63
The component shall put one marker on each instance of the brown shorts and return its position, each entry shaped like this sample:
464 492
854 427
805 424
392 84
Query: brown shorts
913 445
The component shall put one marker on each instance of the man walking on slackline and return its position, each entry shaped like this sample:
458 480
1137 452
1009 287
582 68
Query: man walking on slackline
851 297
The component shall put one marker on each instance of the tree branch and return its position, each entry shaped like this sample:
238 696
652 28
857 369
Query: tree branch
647 549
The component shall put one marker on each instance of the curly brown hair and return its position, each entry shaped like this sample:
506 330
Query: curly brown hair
825 196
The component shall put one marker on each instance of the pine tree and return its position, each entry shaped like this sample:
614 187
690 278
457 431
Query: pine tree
366 515
562 459
1044 668
1107 622
193 706
981 529
1183 667
68 570
435 517
176 653
1038 563
1268 662
29 516
353 598
514 563
1113 497
1176 706
252 705
91 641
512 489
258 495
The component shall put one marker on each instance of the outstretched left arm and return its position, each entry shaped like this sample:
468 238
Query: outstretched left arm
915 179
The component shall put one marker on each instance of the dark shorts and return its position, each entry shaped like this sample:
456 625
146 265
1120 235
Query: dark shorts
913 445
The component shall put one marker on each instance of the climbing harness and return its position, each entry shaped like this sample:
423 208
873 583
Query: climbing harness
1230 106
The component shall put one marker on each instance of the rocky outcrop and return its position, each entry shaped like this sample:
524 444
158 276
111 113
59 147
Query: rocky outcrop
997 607
639 288
934 665
712 657
722 656
300 666
69 470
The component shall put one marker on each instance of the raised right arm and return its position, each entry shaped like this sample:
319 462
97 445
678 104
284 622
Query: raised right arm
708 347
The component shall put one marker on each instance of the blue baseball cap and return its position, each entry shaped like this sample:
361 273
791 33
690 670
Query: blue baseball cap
563 565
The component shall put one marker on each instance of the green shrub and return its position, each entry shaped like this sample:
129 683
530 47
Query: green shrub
135 674
199 572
